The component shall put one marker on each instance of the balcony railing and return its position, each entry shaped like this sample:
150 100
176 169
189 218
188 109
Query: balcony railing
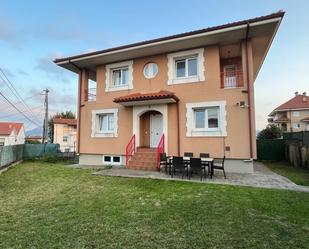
232 79
90 94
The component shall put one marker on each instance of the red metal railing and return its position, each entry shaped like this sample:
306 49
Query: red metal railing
160 149
230 79
130 149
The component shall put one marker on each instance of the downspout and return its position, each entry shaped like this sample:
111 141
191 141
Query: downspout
249 92
178 128
80 74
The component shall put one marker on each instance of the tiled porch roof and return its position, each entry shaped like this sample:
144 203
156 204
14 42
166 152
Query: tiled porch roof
306 119
281 120
135 97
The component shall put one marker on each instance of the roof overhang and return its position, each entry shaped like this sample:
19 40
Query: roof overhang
261 32
273 113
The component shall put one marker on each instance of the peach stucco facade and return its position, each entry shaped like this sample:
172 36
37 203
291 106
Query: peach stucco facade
207 110
209 90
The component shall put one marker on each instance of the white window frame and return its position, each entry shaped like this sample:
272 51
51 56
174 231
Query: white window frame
95 132
112 162
296 114
173 57
206 132
109 68
206 128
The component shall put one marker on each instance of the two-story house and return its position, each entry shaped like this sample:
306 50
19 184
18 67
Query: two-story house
65 133
190 92
293 115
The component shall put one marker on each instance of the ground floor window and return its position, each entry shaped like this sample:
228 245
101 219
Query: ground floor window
104 123
206 119
112 160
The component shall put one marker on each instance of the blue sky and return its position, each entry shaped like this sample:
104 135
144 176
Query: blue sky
32 33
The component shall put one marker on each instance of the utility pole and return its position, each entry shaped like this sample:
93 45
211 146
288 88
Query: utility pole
45 127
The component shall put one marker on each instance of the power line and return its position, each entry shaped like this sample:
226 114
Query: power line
14 114
17 103
14 91
17 109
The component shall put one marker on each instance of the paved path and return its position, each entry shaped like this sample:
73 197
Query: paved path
262 177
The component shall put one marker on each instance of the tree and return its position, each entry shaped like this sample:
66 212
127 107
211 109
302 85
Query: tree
270 132
66 114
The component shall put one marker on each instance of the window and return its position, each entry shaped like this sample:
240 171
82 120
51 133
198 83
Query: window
111 160
65 139
119 76
150 70
206 119
296 126
107 159
186 66
296 114
104 123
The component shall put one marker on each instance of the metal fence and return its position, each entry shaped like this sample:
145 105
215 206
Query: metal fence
270 149
13 153
10 154
301 136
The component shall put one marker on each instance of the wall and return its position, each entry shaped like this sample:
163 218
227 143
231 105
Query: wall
61 130
209 90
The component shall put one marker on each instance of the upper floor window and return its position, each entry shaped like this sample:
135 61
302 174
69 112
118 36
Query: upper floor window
150 70
104 123
296 114
119 76
186 66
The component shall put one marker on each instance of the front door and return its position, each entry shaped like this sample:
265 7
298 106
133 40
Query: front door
156 129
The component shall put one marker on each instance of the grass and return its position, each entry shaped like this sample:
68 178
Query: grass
298 175
44 205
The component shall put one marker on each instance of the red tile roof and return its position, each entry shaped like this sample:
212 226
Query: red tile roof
6 128
298 102
306 119
146 96
67 121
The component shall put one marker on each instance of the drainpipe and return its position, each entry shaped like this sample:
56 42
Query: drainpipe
80 74
249 92
178 128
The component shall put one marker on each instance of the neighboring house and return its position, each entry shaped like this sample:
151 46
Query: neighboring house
192 91
292 115
65 134
11 133
34 139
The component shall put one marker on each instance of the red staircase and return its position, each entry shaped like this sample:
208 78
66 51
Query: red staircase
143 159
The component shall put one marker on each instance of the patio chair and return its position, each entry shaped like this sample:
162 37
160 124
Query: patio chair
196 167
187 154
219 164
164 163
178 166
205 164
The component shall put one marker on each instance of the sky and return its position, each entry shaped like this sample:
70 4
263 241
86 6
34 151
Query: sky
33 33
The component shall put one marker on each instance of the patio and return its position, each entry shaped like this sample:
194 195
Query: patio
262 177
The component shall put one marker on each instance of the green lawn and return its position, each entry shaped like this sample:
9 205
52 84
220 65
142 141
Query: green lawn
50 206
298 175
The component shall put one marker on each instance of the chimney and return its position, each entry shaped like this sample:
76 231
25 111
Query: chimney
296 93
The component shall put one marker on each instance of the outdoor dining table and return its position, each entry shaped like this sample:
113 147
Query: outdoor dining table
203 159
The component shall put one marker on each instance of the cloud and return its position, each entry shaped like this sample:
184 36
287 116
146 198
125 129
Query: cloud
46 65
22 72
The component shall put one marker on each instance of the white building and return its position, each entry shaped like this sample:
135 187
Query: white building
11 133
